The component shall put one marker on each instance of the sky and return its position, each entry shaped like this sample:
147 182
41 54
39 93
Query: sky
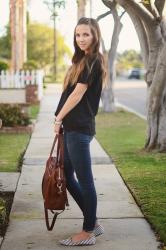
67 19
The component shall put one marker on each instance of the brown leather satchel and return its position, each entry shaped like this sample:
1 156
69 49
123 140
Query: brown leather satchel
54 183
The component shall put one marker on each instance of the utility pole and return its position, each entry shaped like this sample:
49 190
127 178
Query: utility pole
52 7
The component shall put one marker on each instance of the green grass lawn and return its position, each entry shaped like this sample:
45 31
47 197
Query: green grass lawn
122 135
12 146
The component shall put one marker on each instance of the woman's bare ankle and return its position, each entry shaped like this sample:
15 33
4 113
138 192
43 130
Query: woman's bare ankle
81 236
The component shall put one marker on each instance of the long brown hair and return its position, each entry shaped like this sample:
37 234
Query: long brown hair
80 59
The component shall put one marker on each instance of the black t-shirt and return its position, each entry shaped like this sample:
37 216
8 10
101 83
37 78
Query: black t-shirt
82 117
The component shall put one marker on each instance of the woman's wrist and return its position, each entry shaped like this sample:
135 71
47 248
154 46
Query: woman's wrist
57 122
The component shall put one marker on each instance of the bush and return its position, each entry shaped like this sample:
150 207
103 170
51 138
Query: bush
3 66
13 115
2 211
30 65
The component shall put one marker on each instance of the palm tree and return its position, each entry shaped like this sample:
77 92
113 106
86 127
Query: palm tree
81 8
18 32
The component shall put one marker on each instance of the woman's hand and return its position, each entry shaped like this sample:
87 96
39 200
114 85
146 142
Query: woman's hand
57 125
57 128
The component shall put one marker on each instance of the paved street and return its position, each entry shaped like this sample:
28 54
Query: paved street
131 93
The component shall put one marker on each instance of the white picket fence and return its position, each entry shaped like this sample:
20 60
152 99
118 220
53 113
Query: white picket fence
19 79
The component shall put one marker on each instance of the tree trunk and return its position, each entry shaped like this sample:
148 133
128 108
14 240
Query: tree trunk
81 4
108 93
156 138
154 25
107 96
18 33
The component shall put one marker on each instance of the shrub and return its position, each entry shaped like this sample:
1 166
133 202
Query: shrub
3 66
13 115
2 211
30 65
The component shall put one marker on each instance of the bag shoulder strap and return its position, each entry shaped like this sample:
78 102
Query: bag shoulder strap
60 148
53 145
50 226
58 137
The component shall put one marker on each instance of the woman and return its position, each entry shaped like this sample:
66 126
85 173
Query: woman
77 109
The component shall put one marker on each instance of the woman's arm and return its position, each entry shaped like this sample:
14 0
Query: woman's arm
73 99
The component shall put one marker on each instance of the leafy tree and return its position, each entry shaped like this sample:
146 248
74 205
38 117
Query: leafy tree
3 66
40 45
5 44
129 59
30 65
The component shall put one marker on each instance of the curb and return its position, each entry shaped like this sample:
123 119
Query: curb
118 104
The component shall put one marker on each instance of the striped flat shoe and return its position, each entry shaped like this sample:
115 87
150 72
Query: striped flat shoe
99 230
87 242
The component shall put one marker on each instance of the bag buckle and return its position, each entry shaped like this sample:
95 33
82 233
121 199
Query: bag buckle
60 188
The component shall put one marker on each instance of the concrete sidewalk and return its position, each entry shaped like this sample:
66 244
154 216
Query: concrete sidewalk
125 226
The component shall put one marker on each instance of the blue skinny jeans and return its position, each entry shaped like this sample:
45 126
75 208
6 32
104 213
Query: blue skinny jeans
77 160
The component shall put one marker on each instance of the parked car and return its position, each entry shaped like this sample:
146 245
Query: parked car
135 74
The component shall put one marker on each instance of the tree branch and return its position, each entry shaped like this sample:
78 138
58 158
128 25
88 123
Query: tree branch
109 4
116 32
122 14
141 32
163 28
151 7
155 11
142 36
112 5
160 5
145 15
103 46
103 15
98 19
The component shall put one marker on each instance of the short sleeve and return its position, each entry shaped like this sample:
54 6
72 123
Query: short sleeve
87 77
